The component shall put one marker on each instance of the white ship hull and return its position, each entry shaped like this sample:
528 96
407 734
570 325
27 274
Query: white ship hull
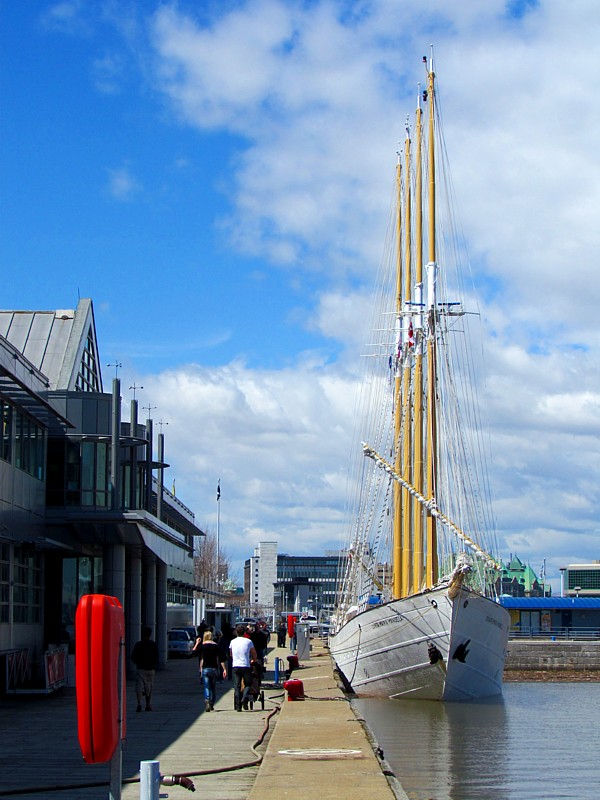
384 651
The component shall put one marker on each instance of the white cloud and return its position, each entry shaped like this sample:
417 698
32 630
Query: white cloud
122 185
66 17
319 102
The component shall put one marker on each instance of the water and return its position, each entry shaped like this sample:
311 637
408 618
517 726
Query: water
540 742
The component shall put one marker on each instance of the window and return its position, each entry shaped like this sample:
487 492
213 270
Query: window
78 474
29 446
6 441
79 576
27 586
4 581
584 579
87 379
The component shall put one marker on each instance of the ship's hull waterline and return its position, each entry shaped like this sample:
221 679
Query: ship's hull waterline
388 649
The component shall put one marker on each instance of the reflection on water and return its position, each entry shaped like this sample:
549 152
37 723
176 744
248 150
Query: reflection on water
537 743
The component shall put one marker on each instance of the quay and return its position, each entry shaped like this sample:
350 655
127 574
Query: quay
286 750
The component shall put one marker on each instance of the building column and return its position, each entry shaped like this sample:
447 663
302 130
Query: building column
161 612
150 598
114 571
133 618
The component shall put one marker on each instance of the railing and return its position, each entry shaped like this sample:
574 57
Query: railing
562 633
17 668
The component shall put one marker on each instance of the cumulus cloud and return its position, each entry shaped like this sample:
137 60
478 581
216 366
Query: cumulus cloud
316 97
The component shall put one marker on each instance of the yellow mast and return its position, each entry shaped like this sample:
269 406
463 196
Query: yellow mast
406 534
431 571
417 574
397 563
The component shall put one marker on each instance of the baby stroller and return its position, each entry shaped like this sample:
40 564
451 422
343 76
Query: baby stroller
256 693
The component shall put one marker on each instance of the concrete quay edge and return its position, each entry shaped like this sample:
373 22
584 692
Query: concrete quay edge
319 744
230 755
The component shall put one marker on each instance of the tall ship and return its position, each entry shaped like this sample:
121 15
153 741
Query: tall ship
417 615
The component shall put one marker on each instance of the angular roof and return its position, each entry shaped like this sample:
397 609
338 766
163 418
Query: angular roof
60 344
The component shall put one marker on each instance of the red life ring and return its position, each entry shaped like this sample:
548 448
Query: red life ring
99 632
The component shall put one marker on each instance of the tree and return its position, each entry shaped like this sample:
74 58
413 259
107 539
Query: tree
210 575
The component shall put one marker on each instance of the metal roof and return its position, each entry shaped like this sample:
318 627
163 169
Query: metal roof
24 385
53 342
547 603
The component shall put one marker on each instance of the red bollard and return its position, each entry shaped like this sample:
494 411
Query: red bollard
295 689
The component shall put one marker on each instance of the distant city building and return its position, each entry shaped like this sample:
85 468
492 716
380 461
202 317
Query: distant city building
260 574
519 580
581 580
283 583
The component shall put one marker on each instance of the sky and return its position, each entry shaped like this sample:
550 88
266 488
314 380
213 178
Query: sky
216 177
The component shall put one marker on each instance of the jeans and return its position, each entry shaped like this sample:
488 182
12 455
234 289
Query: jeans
209 678
241 674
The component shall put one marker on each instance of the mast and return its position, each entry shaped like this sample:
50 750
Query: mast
398 398
405 534
431 571
417 575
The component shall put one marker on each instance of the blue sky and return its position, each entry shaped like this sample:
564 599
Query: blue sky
216 177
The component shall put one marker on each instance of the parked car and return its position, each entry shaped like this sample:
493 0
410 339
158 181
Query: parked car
179 643
193 632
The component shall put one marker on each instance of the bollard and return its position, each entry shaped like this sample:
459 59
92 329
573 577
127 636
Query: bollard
149 780
278 669
295 689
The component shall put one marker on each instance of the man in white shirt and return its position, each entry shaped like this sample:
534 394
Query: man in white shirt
242 653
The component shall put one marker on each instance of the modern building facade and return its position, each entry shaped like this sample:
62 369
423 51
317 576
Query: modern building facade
260 576
83 508
278 583
581 580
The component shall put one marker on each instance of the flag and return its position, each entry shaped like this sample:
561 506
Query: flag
218 491
173 489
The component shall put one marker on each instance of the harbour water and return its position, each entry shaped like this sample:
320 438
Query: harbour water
540 742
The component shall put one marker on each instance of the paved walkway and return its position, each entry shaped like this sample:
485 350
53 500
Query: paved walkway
305 748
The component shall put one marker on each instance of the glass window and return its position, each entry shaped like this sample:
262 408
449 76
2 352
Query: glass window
29 446
27 586
4 581
6 441
102 474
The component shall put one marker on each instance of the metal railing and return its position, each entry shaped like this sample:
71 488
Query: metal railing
562 633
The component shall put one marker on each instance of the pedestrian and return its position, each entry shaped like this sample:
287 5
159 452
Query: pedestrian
211 665
145 657
224 642
281 633
197 648
260 640
242 654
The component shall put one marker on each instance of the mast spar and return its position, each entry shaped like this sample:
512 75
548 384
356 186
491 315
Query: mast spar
431 570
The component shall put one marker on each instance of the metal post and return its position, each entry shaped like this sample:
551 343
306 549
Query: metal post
116 762
161 473
149 780
115 472
133 477
149 435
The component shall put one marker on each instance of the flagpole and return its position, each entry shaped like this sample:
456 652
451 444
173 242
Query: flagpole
218 526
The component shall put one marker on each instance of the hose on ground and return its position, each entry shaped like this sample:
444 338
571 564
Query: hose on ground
178 779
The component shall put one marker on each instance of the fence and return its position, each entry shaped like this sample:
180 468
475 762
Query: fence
563 633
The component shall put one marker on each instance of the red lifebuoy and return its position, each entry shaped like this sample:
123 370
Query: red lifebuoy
99 632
